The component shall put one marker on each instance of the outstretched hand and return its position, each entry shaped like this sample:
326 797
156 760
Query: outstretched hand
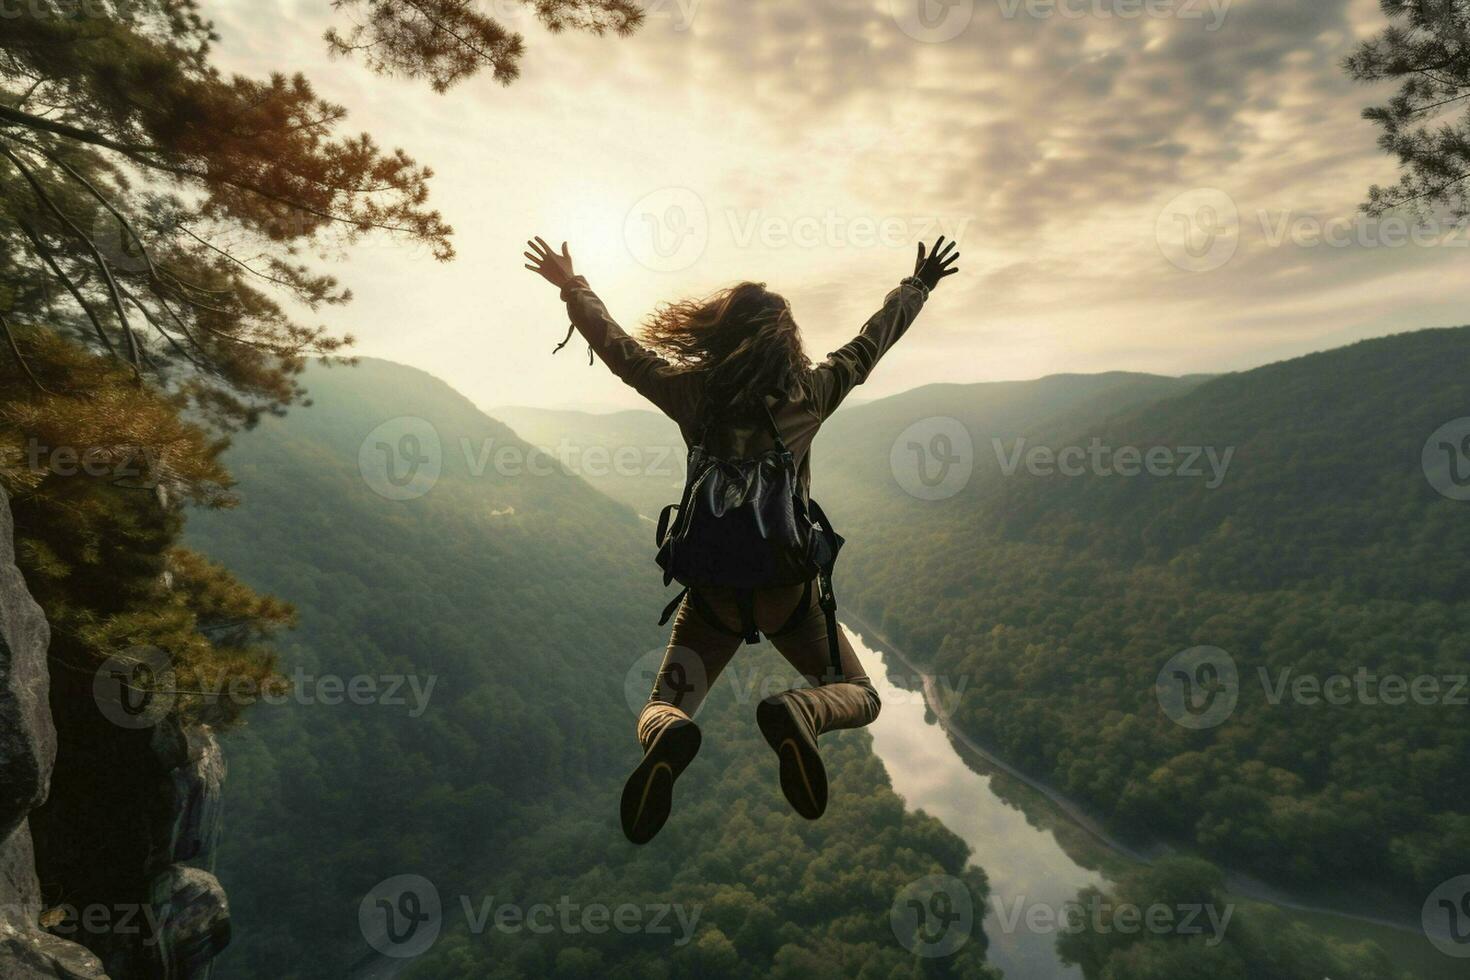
937 264
555 269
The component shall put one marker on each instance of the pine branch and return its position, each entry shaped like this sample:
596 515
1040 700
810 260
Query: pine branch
47 257
237 261
20 358
102 200
140 156
1438 105
134 354
148 315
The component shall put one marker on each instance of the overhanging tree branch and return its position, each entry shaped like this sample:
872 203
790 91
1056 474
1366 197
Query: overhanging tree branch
1426 47
90 246
50 260
19 357
102 200
148 315
144 156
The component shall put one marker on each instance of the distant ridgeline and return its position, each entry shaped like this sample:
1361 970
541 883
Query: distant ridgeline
1056 544
470 623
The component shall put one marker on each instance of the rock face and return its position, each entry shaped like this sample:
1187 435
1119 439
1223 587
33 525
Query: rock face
195 917
189 903
41 956
177 820
195 767
27 754
27 737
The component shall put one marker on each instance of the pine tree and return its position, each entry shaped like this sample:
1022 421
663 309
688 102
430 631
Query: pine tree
1427 48
161 211
158 219
446 41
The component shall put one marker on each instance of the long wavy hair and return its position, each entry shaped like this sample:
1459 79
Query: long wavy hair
742 339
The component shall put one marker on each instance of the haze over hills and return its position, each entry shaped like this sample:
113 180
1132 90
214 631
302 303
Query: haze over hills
1020 537
501 615
637 456
527 596
633 456
861 445
1318 536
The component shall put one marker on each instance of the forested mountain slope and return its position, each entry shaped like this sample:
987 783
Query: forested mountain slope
512 610
855 449
635 456
1319 536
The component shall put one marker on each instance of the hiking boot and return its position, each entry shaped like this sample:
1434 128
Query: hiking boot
648 795
803 777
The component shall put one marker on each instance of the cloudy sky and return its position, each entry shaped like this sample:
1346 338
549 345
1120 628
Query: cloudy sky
1154 185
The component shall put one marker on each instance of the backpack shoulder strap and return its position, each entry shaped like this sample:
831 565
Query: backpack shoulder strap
710 415
771 426
826 598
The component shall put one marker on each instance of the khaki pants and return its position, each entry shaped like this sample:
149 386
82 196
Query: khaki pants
698 652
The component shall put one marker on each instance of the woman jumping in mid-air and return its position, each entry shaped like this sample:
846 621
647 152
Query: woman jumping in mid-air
731 372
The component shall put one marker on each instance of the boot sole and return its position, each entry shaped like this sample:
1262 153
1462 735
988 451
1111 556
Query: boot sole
803 776
648 796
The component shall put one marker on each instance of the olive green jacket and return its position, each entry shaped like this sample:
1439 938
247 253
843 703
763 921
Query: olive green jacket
680 393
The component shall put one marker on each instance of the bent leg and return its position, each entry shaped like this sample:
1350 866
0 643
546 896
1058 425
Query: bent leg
827 705
697 654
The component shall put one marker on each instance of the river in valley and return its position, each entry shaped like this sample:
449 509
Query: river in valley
1039 848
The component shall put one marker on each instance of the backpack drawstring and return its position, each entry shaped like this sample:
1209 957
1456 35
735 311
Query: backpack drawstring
571 329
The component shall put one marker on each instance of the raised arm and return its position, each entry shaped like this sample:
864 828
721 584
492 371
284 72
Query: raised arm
845 369
647 373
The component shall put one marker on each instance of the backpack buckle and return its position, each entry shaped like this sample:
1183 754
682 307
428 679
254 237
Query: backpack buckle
825 596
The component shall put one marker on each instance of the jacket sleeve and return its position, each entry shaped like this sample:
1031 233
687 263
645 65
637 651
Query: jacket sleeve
845 369
674 392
